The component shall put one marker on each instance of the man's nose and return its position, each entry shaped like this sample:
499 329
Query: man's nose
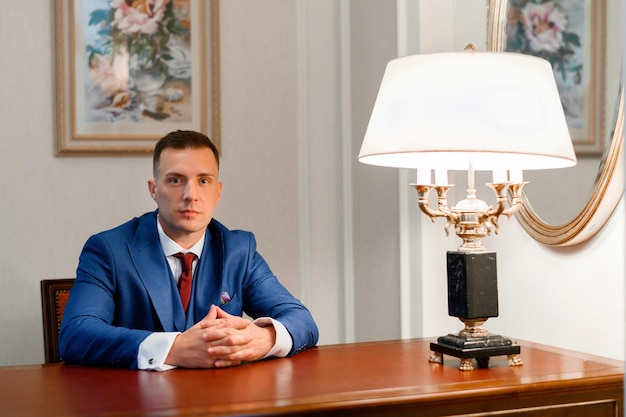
190 191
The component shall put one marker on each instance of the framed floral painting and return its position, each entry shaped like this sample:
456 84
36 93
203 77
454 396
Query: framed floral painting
570 35
129 72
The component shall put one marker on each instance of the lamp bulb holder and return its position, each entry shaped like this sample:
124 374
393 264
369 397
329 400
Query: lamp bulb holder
473 218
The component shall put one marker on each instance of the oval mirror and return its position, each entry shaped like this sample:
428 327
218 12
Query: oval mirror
581 39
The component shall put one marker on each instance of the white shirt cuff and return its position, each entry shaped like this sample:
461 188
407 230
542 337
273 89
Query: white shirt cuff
154 350
283 343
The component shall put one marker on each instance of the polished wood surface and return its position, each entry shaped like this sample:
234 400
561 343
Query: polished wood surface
379 378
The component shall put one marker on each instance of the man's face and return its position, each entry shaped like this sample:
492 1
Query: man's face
187 191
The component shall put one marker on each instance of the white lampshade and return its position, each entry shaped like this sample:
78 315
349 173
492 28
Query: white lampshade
445 110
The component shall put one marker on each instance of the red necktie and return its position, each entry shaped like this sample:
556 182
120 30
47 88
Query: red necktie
184 282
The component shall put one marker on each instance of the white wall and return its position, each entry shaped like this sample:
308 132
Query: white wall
299 79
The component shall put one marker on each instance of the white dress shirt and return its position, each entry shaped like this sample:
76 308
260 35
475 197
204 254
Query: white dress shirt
154 349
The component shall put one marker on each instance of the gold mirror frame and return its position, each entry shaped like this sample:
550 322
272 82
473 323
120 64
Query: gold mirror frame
609 185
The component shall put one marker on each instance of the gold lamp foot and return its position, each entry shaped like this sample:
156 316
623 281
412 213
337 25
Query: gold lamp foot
515 360
466 364
436 357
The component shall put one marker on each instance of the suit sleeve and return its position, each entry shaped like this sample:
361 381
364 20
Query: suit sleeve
265 296
88 335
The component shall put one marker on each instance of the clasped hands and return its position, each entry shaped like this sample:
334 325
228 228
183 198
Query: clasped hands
220 340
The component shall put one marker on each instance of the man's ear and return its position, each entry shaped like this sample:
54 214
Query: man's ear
152 188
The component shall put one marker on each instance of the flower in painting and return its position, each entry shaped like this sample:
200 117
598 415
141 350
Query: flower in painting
541 28
544 25
136 27
103 74
138 16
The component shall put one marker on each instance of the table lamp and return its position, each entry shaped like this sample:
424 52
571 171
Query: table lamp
469 111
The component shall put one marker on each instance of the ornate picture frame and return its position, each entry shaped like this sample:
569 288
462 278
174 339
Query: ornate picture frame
126 76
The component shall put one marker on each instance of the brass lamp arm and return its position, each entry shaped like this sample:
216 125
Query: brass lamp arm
473 219
500 189
423 192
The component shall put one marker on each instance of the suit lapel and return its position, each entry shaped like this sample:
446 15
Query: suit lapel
154 271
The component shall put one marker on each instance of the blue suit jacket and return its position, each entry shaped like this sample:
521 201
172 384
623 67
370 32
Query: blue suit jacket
124 290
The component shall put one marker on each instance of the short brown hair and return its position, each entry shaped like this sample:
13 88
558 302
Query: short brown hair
182 139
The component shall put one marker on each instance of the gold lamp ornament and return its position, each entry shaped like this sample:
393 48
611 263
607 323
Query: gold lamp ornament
469 111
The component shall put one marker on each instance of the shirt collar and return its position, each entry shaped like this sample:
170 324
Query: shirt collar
170 247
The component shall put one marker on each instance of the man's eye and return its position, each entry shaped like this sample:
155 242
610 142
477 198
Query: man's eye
205 181
175 181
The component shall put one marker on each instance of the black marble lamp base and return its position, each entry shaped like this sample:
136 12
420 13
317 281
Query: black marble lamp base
478 348
473 298
472 285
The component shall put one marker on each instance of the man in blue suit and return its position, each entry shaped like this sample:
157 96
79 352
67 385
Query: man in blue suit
125 309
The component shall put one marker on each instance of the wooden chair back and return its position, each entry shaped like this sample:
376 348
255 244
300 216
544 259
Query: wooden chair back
54 296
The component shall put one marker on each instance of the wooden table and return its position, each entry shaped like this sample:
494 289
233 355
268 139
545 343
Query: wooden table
380 378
